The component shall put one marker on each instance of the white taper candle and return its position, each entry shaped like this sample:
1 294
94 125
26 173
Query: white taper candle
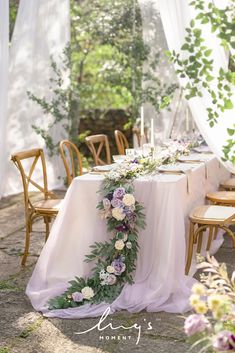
152 133
142 121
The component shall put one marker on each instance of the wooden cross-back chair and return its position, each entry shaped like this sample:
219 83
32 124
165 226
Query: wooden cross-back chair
48 206
211 218
136 132
121 142
99 144
71 158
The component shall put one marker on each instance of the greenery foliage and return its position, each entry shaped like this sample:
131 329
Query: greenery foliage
195 63
105 59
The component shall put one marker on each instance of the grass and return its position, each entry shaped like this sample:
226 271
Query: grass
30 328
5 284
4 349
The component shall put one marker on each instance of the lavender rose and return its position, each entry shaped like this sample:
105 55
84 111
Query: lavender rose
196 323
131 216
224 341
119 193
116 203
119 266
77 297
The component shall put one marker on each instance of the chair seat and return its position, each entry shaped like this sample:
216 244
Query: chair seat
225 197
212 214
48 206
228 184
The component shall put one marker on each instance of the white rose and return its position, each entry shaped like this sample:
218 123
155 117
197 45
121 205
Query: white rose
87 293
110 269
128 200
128 245
118 214
119 244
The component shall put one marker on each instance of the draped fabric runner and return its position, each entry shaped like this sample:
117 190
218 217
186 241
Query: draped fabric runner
160 283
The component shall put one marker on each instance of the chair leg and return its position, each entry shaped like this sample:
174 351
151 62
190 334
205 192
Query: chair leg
210 236
190 248
27 242
216 232
199 242
230 233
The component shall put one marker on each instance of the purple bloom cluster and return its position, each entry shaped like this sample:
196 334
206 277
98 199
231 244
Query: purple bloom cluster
196 323
117 203
224 341
122 227
119 266
114 200
119 193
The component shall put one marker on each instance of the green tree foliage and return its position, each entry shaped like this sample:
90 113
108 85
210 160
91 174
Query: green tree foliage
195 62
105 58
108 53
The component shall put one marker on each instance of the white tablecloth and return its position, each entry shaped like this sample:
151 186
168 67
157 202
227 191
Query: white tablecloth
160 282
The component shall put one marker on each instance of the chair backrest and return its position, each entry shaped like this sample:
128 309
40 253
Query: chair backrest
136 132
71 158
33 156
99 147
121 141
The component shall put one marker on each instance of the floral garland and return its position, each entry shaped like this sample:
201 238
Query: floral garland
115 259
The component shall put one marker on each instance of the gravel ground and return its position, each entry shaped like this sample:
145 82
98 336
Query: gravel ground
22 330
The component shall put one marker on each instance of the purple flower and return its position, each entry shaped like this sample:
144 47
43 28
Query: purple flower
224 341
77 297
119 266
131 216
116 203
135 161
119 193
196 323
123 227
109 196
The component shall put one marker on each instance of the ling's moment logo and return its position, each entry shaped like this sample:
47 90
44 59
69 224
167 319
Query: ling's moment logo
103 325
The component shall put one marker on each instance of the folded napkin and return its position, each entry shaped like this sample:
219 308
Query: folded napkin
177 171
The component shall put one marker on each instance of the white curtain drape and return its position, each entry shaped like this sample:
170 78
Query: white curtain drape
175 16
4 44
169 123
42 31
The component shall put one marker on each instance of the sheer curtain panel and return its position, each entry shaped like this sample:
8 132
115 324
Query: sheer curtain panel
4 44
42 31
176 15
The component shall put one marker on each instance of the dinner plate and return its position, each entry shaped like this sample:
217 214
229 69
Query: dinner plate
202 149
174 169
103 168
191 159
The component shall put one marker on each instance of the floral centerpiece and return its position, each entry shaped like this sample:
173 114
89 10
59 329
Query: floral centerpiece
213 300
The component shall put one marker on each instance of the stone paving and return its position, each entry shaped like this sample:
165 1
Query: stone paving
22 330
